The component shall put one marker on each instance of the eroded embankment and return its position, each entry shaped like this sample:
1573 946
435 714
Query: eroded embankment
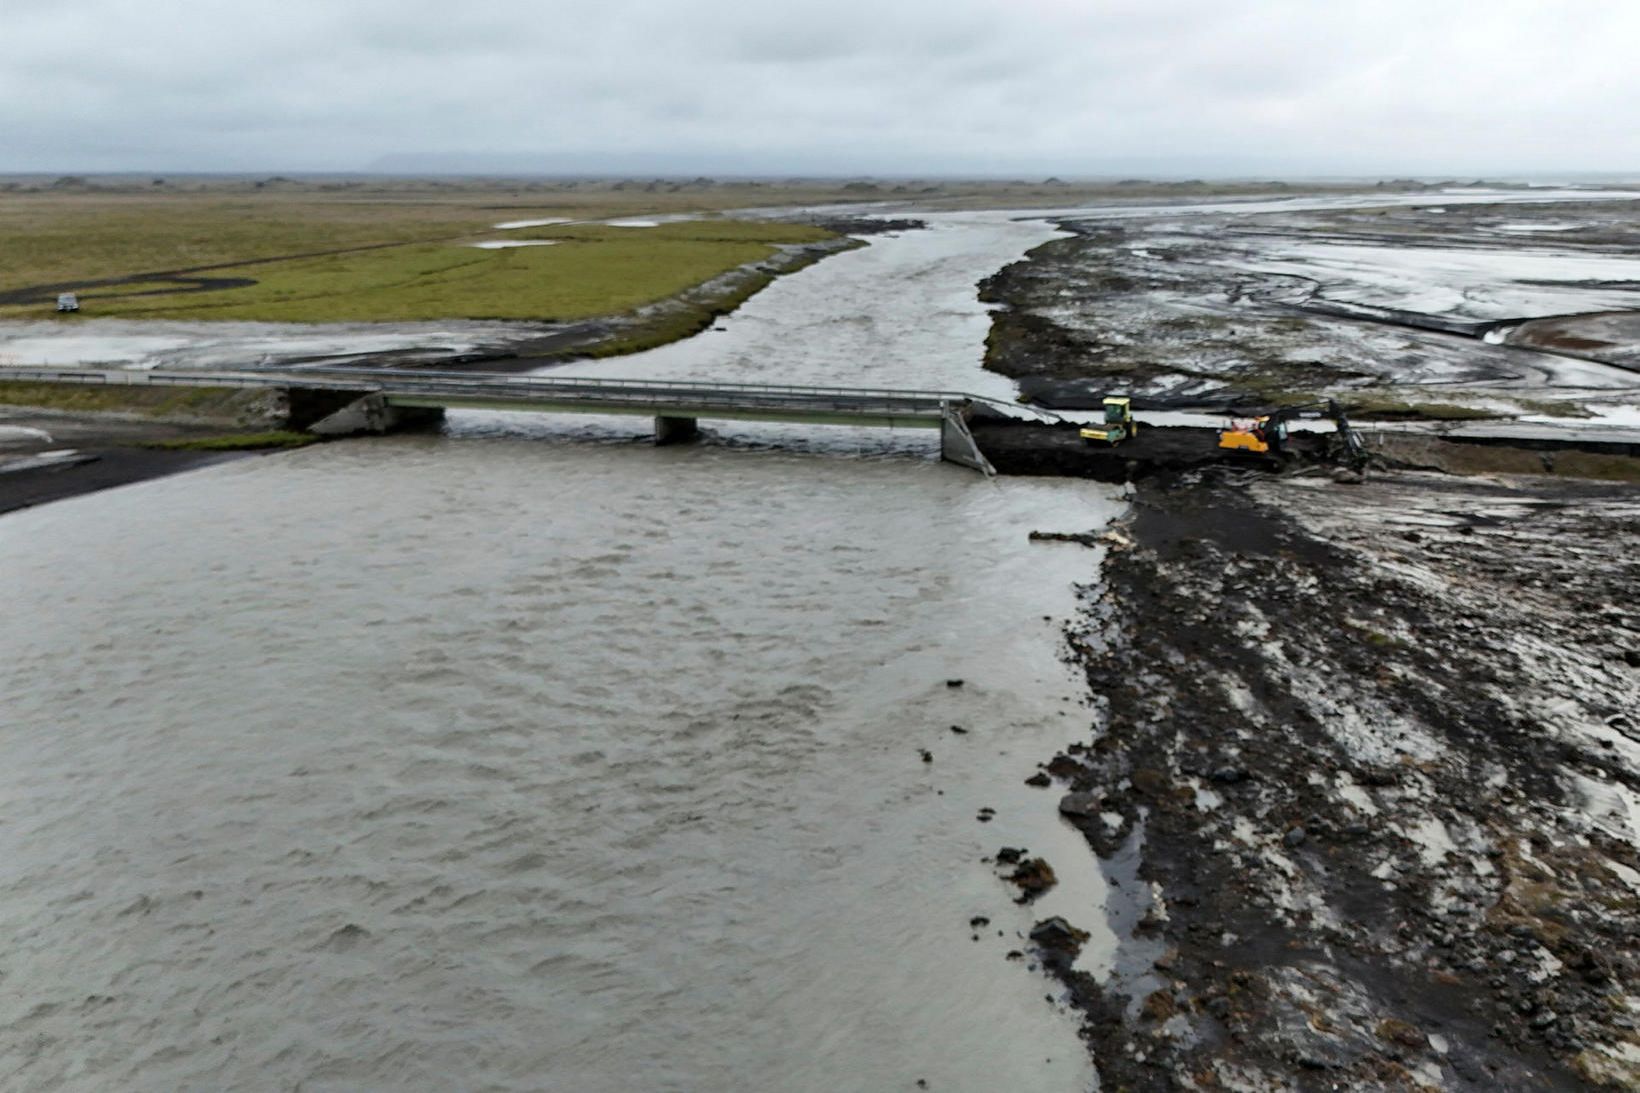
1376 749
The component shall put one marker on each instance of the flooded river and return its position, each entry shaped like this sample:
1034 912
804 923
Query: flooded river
506 761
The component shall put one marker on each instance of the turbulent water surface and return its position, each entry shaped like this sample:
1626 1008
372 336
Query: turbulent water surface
507 761
510 764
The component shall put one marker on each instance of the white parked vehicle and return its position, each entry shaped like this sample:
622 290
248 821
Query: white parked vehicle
68 302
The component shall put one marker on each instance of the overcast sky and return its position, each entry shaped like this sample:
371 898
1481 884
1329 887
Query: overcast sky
1027 87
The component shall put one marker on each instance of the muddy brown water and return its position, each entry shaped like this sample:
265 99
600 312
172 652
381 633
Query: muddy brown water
510 764
507 761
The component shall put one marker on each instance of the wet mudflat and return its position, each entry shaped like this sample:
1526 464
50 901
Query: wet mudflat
502 764
1374 750
1396 306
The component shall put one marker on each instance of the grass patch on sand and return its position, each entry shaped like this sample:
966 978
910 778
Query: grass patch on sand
189 403
1550 407
238 442
1377 406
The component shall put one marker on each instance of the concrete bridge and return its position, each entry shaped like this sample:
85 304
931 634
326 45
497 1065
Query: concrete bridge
343 401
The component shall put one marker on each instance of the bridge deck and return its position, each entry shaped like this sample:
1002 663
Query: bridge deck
895 407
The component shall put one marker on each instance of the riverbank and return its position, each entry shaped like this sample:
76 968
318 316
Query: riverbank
1372 750
94 469
50 454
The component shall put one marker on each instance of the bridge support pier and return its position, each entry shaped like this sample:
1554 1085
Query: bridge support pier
957 444
675 430
363 413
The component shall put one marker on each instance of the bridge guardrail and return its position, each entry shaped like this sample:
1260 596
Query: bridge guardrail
616 381
613 390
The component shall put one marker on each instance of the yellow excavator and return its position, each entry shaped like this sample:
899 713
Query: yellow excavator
1268 432
1119 424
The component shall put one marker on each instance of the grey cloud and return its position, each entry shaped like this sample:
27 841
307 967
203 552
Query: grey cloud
846 86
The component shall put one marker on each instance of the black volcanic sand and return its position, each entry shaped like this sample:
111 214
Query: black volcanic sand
1039 448
106 468
1348 731
110 450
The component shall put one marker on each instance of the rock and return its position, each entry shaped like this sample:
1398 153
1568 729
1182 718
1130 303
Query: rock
1057 935
1040 780
927 756
979 920
1228 776
1631 657
1294 837
959 730
1396 1031
953 683
1159 1006
1063 766
1348 477
1151 782
1079 804
1010 855
1545 1019
1034 876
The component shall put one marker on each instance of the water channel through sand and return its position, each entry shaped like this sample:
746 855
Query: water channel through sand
502 760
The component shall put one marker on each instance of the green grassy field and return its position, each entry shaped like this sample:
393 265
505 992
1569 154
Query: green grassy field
588 271
366 258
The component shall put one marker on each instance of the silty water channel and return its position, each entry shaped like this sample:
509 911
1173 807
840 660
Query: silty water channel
502 760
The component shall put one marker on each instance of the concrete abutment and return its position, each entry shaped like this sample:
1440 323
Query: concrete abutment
675 430
347 413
